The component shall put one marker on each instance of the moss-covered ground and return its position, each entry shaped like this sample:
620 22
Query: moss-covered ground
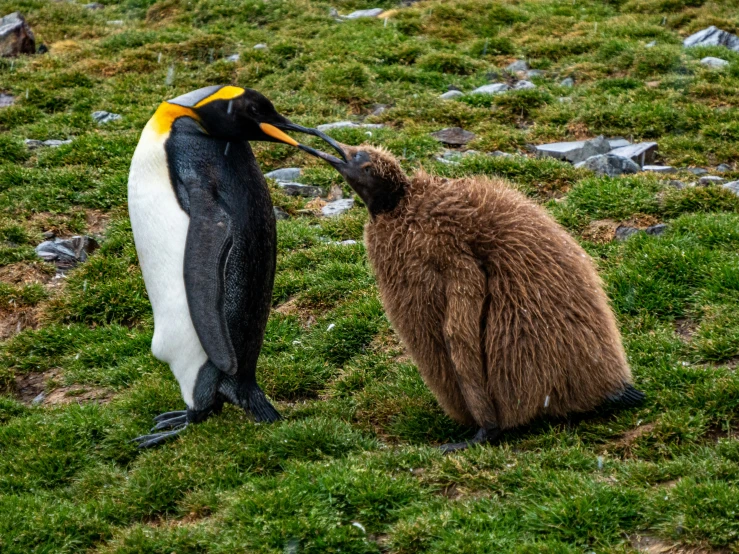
357 442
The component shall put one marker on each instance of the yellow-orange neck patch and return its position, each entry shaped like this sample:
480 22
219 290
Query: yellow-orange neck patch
225 93
166 114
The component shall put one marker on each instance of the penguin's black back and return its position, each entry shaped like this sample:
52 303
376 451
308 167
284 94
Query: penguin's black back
230 172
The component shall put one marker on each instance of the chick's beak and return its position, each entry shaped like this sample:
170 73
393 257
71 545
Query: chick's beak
333 160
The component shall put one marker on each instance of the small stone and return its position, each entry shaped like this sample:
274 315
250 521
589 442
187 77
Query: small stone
618 142
379 109
374 12
453 87
260 46
677 184
568 82
710 180
610 165
280 214
349 124
453 136
518 65
38 399
52 143
451 94
285 175
723 168
48 235
565 100
733 186
534 73
576 151
651 44
623 232
298 189
656 230
115 22
337 207
67 253
16 37
500 154
522 85
347 242
6 100
103 117
698 171
712 36
641 153
233 58
714 63
659 168
93 6
495 88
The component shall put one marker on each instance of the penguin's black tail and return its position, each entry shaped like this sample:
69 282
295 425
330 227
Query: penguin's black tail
629 397
260 407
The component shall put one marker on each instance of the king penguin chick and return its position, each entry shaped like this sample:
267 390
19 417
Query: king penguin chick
205 235
501 310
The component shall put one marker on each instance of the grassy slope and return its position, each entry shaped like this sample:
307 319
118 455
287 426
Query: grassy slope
355 442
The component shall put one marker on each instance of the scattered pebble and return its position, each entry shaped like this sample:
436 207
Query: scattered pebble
379 109
359 526
657 229
451 94
337 207
494 88
285 174
610 165
453 136
714 63
733 186
723 168
233 58
93 6
534 73
373 12
6 100
518 65
659 168
623 232
115 22
677 184
298 189
651 44
522 85
568 82
33 144
260 46
698 171
711 180
103 117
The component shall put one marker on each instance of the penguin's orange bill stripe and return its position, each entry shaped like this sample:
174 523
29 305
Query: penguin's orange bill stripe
275 133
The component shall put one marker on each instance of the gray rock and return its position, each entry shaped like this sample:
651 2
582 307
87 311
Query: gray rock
642 153
698 171
499 154
280 214
651 44
723 168
494 88
453 156
618 142
714 63
534 73
379 109
103 117
349 124
623 232
659 168
6 100
712 36
285 174
260 46
298 189
610 165
233 58
453 87
116 22
568 82
657 229
347 242
337 207
93 6
733 186
677 184
453 136
576 151
374 12
16 37
67 253
32 144
451 94
522 85
518 65
711 180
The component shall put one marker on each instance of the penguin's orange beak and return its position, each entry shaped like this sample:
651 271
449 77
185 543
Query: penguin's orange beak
279 135
276 134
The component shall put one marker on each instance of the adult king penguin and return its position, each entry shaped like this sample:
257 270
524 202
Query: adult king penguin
205 234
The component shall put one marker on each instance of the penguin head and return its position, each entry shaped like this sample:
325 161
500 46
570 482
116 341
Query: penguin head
235 113
374 174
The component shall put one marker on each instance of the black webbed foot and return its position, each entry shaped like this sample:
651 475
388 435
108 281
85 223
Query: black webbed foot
484 435
147 441
174 420
168 415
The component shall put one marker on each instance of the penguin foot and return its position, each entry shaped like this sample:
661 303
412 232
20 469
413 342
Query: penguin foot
170 420
261 408
484 435
147 441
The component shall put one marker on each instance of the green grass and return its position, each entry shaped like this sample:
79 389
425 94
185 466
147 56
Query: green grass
357 444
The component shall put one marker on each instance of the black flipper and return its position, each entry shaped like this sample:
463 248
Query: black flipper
206 253
629 397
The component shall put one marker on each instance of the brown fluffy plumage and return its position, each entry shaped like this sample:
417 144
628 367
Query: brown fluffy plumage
502 311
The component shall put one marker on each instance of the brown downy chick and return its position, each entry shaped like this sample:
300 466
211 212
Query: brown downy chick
502 311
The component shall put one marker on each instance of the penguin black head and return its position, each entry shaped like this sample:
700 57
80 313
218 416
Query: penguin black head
374 174
235 113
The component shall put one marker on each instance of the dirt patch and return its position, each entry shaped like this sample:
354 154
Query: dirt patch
13 322
600 231
27 273
96 222
291 307
653 545
685 328
579 130
38 388
632 435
